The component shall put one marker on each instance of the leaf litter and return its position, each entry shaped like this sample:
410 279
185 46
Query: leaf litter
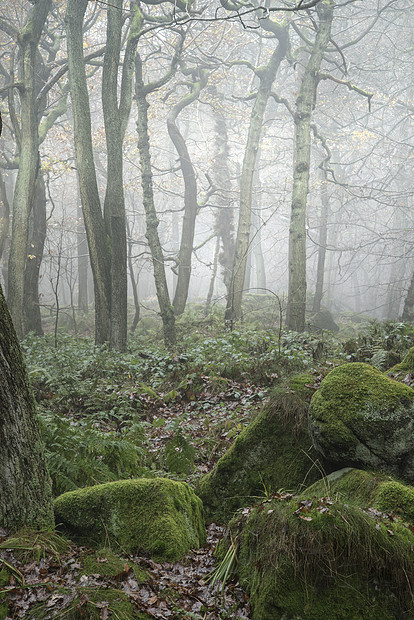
171 590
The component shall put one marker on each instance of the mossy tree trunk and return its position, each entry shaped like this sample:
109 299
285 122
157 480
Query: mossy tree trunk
98 242
224 217
323 237
266 75
151 219
199 80
25 488
28 41
106 233
305 103
32 318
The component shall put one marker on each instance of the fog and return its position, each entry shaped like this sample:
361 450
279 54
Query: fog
202 71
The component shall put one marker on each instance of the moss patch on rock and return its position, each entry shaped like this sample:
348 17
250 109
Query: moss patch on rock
407 365
361 418
318 558
274 451
367 490
159 516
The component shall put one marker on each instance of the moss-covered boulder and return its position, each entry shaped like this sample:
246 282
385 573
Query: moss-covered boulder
319 558
362 418
272 452
368 490
160 516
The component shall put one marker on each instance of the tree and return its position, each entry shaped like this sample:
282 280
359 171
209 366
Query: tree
25 486
266 75
142 91
106 232
28 41
305 102
199 77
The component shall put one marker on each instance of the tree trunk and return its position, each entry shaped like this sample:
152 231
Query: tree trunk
213 276
267 75
224 217
94 223
5 217
32 318
166 309
323 237
25 487
190 192
305 103
27 41
114 206
83 262
408 310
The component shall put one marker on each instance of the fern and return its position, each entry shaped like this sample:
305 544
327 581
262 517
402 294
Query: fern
179 454
79 455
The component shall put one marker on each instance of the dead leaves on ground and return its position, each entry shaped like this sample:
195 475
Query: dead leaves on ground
171 590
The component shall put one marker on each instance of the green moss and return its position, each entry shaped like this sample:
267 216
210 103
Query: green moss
90 603
159 516
396 497
108 564
367 490
348 484
323 560
407 365
4 609
274 451
359 416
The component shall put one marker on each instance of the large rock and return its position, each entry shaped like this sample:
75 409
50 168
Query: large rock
272 452
159 516
323 320
315 557
361 418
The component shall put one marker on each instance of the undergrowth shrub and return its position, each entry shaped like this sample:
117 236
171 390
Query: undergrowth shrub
79 455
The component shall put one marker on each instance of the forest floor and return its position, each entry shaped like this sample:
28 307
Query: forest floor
109 416
55 581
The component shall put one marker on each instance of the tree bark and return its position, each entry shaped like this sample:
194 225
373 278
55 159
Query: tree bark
224 217
32 318
114 206
190 191
166 309
323 237
94 224
25 487
408 310
28 41
83 262
267 75
305 103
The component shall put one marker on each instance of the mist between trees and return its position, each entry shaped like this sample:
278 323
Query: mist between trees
154 153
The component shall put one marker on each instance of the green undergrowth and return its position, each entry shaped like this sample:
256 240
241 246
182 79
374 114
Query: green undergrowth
79 454
32 545
92 603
